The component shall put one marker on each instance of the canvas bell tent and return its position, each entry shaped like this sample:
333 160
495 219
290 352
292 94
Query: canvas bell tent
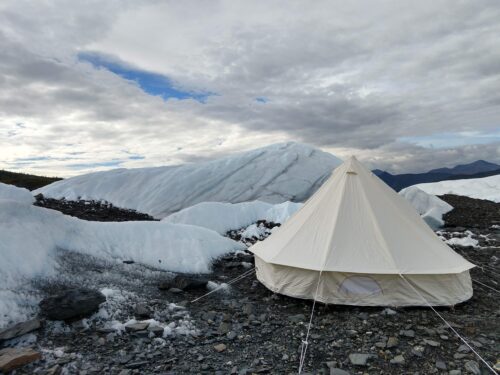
357 242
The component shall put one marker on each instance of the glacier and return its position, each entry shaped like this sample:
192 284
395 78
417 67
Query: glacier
273 174
429 207
478 188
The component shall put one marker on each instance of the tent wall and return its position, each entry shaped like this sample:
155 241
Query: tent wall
365 289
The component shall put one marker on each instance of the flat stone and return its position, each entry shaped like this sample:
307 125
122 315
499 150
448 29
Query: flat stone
472 367
407 333
247 309
441 365
392 342
12 358
359 359
209 315
71 304
432 343
136 364
398 360
220 348
224 328
418 350
19 329
455 372
297 318
338 371
141 326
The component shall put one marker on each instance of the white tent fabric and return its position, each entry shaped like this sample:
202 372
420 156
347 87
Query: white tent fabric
358 233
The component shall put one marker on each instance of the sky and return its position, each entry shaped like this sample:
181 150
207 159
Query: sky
93 85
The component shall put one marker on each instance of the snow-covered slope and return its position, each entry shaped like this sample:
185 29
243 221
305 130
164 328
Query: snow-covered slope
274 174
479 188
222 217
14 193
31 235
430 207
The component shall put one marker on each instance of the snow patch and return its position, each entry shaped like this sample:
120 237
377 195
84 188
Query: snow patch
430 207
478 188
14 193
31 236
464 241
223 217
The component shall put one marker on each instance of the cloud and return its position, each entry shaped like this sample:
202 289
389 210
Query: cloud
106 79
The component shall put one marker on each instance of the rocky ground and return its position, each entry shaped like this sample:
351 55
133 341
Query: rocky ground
91 210
245 329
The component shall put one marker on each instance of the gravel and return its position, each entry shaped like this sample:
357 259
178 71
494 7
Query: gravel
246 329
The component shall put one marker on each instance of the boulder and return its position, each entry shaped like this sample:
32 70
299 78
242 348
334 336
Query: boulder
12 358
141 310
71 304
184 283
19 329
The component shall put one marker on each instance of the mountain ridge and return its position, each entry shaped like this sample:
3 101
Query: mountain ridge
476 169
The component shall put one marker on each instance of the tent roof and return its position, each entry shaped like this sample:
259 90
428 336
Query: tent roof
356 223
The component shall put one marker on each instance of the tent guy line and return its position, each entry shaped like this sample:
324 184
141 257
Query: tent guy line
449 325
487 286
223 285
305 343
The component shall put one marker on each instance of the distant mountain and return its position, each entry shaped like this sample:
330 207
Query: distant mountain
478 166
275 174
477 169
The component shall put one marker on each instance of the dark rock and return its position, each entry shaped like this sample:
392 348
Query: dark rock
12 358
183 283
157 330
19 329
247 308
141 310
71 304
137 364
91 210
141 326
224 328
